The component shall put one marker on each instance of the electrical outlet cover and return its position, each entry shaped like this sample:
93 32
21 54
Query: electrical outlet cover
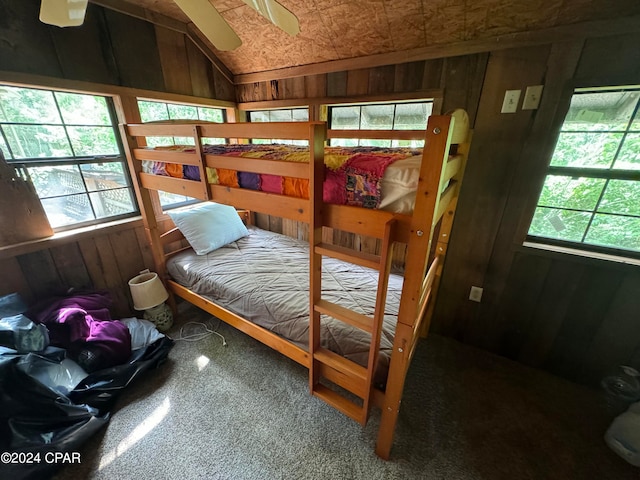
475 295
510 102
532 97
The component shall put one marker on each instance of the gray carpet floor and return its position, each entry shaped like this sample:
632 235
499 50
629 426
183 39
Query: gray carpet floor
243 411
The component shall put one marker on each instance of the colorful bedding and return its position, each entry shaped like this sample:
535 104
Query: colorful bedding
353 176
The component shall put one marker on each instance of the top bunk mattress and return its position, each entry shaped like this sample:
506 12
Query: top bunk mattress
369 177
264 278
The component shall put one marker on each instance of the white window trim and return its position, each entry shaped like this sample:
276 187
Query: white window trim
582 253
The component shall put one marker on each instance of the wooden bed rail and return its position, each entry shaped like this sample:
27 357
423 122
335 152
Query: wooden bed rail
348 219
377 134
268 130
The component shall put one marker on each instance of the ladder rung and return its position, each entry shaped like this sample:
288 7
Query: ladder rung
341 403
345 315
343 372
349 255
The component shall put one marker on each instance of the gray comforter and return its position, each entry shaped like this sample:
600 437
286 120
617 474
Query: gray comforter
264 278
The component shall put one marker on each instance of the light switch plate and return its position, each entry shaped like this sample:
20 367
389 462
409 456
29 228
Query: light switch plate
532 97
510 102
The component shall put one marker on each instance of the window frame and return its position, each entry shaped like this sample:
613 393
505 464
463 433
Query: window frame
280 109
166 103
567 246
22 165
391 102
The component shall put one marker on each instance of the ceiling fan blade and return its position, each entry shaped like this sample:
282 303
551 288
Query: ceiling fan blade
210 23
63 13
277 14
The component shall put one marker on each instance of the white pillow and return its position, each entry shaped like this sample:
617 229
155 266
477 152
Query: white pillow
209 226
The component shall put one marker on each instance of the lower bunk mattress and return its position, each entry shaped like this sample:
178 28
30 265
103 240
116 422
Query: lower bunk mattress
264 278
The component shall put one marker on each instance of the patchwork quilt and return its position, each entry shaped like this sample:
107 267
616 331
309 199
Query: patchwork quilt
353 175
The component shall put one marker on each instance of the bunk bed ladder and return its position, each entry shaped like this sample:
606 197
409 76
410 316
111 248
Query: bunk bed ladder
353 378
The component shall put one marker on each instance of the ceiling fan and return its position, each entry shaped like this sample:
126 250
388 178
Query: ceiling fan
69 13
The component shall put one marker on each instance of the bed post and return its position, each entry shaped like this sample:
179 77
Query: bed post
435 153
317 137
146 208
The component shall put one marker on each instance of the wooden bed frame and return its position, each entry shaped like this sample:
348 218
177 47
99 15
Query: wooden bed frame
416 231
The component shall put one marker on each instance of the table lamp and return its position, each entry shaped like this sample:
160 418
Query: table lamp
149 294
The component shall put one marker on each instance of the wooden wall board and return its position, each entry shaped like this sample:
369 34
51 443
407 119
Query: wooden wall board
408 77
559 287
398 257
26 44
13 280
82 52
275 224
599 66
102 265
292 88
518 304
316 85
275 89
255 91
174 61
337 84
224 89
367 244
463 78
303 231
262 221
70 266
200 71
40 271
496 146
616 338
135 50
145 249
432 75
290 227
357 82
344 239
130 261
528 174
590 302
381 79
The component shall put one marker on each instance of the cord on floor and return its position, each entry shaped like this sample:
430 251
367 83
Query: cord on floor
206 331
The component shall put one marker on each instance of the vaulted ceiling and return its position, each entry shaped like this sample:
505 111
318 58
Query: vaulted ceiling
344 29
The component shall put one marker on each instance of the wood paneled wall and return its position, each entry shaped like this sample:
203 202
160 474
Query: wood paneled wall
109 48
574 316
102 261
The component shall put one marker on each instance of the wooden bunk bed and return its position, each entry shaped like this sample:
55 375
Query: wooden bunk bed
438 168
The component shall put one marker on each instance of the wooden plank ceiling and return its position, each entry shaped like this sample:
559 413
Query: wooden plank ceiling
344 29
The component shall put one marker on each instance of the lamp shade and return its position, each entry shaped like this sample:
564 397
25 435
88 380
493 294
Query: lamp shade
147 291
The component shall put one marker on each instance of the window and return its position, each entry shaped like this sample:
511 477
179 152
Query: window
591 195
388 116
161 111
281 115
67 145
151 111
